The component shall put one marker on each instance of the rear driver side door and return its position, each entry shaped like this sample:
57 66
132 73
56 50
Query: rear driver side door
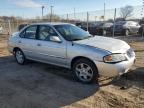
28 42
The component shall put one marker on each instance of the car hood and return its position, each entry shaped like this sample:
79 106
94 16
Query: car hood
109 44
15 34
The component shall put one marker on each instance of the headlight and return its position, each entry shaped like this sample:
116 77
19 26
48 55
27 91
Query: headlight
115 58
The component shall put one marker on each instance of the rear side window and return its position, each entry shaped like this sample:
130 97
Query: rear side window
29 33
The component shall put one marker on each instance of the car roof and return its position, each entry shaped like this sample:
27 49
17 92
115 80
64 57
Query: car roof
51 23
126 21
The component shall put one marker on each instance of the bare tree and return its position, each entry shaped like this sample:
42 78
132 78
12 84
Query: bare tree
126 12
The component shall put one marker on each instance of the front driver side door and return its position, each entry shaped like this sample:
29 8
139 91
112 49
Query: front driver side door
48 51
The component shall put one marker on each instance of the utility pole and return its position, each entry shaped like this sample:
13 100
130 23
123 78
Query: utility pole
114 22
42 11
95 19
142 8
51 13
104 11
67 17
74 15
87 21
104 32
142 18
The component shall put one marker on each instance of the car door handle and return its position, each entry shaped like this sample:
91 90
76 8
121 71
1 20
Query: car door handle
38 44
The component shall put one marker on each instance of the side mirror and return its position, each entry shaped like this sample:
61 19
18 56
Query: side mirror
55 39
88 32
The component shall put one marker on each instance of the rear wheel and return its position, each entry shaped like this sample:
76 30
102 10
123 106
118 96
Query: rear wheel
85 71
20 57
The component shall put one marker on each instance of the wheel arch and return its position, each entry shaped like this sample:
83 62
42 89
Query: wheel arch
128 28
81 57
16 48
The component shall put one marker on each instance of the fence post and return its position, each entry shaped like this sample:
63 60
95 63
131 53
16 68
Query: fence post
104 20
9 23
142 32
114 23
87 21
67 17
17 25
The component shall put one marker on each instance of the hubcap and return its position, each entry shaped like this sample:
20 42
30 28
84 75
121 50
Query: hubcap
19 57
104 32
84 72
127 32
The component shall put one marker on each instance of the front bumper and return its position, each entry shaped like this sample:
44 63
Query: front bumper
111 70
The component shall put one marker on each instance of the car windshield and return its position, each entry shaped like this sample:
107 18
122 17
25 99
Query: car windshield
107 24
120 23
71 32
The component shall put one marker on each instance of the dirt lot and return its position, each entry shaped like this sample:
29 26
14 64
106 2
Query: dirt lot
38 85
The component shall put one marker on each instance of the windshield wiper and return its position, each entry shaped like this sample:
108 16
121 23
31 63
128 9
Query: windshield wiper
88 37
76 39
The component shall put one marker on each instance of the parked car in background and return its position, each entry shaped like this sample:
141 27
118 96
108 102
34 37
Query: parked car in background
126 28
71 47
97 28
1 29
141 30
104 28
21 26
92 27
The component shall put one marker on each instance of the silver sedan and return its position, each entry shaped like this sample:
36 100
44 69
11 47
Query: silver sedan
68 46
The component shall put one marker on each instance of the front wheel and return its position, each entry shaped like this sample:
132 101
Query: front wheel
20 57
127 32
104 32
85 71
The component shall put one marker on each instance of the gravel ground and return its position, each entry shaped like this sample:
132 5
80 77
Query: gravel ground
38 85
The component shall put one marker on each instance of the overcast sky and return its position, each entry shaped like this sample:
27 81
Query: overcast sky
32 8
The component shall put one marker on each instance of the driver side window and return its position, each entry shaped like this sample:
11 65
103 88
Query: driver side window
45 32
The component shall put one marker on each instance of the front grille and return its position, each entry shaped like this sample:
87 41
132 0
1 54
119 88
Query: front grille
130 53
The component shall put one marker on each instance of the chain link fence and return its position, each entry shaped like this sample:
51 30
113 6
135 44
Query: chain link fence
90 21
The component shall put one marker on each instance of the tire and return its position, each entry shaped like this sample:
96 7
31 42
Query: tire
20 57
126 32
85 71
104 32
